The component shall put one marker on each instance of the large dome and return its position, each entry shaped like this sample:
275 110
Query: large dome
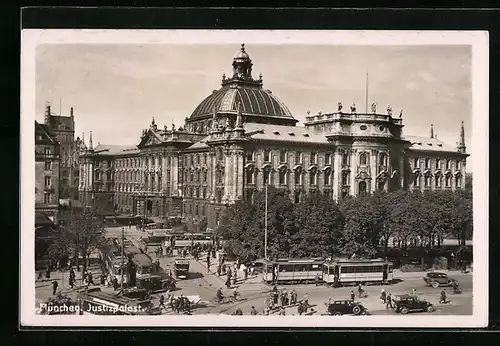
252 100
242 89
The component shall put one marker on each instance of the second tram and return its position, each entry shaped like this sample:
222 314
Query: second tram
291 271
355 271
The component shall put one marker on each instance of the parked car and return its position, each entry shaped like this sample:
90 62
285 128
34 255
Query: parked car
406 303
436 279
342 307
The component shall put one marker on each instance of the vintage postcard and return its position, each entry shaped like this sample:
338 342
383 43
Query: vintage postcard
254 178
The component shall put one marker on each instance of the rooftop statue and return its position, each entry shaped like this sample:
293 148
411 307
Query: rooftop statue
339 106
389 110
353 108
374 107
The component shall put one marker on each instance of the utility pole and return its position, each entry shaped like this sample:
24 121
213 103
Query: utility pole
265 221
123 252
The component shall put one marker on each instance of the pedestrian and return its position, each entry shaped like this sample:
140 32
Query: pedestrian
47 273
290 297
228 282
282 311
253 312
442 300
300 309
40 275
54 287
103 279
383 296
294 295
162 302
284 297
176 306
115 283
218 270
388 303
238 312
71 282
90 278
305 300
353 296
245 271
316 280
129 224
414 293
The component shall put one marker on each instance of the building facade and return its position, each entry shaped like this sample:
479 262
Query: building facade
47 170
63 129
241 137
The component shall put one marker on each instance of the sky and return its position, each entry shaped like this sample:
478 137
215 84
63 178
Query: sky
117 89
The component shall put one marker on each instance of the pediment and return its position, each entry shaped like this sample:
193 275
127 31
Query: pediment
150 138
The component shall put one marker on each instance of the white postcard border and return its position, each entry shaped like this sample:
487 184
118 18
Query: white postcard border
478 40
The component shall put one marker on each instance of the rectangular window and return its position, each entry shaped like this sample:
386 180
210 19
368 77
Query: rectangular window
345 158
298 158
416 163
205 177
345 178
48 151
250 156
267 156
314 156
327 159
250 176
448 164
48 181
47 198
197 192
282 156
48 165
328 178
204 192
458 165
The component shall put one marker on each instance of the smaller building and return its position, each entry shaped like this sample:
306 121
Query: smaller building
47 168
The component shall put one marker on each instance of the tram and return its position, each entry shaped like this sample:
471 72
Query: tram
355 271
291 271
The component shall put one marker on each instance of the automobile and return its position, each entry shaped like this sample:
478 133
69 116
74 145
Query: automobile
405 303
436 279
342 307
155 283
181 268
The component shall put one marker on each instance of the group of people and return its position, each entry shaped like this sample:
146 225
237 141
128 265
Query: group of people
177 304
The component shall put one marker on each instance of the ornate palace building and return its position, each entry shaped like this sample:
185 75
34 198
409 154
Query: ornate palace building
242 136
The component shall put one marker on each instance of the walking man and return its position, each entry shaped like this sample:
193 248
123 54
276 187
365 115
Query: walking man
383 296
388 303
54 287
353 296
442 300
208 263
162 302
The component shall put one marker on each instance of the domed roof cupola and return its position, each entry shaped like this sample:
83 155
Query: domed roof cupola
242 65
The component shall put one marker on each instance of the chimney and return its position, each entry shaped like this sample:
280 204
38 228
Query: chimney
432 131
71 112
47 114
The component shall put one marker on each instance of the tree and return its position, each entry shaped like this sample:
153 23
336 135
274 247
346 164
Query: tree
360 228
82 234
468 182
243 224
318 227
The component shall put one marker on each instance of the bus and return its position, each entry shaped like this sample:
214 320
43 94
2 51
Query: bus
291 271
357 271
96 302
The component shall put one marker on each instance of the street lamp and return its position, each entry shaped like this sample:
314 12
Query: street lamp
265 217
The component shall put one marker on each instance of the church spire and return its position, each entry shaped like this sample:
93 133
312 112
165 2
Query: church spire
242 65
432 131
461 144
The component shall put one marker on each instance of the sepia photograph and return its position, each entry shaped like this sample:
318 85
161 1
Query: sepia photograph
254 178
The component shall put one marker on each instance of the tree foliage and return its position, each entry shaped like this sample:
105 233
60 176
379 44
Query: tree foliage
80 235
318 227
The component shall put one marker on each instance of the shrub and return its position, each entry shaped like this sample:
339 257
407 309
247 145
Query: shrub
412 268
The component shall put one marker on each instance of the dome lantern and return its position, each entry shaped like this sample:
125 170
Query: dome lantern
242 65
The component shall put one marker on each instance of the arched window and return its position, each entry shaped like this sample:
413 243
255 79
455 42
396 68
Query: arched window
250 156
313 177
427 180
328 177
458 165
447 180
438 164
283 176
448 164
298 177
427 163
416 179
362 188
437 181
363 159
383 159
314 158
416 163
250 176
458 181
267 155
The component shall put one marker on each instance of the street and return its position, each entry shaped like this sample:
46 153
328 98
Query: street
254 291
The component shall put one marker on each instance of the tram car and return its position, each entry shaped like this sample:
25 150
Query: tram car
292 271
342 272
